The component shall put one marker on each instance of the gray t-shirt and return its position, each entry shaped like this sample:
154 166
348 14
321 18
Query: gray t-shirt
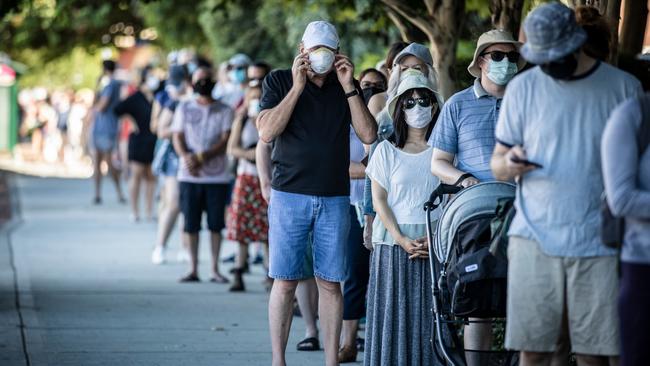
627 180
560 125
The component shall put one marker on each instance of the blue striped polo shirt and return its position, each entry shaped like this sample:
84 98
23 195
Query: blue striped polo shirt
465 128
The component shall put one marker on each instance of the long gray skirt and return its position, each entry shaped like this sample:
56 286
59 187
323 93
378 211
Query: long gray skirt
399 315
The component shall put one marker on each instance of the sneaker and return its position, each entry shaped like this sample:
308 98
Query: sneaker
133 218
158 255
183 256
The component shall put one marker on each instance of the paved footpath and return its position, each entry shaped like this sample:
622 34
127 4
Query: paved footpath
88 294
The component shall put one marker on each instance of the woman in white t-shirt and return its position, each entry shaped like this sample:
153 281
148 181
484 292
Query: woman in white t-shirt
399 294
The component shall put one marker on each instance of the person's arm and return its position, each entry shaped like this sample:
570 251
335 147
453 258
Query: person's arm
272 122
387 217
503 166
376 103
357 170
442 166
191 161
234 143
156 110
164 123
362 121
620 164
263 163
216 149
102 103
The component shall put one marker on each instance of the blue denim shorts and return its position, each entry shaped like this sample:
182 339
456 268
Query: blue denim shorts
292 217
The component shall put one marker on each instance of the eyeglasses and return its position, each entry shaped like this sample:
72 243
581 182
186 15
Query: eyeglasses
411 102
513 56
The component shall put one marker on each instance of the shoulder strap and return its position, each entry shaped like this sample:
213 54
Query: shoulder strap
643 134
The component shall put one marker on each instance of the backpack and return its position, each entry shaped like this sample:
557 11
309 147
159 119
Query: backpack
612 230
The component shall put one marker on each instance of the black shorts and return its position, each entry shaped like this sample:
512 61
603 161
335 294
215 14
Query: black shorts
198 197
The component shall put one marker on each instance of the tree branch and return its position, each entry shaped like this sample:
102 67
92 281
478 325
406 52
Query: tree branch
424 23
399 23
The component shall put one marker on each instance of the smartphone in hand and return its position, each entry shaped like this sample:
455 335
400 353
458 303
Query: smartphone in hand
526 162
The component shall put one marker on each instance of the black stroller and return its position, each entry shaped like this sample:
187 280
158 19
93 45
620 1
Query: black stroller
468 276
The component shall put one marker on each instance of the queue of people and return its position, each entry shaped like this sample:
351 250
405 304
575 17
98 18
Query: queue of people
329 173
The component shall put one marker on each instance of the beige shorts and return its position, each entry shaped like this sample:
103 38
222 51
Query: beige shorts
539 288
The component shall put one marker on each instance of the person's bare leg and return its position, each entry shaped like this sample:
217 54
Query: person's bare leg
590 360
192 241
330 310
306 292
115 174
535 359
349 333
280 316
477 337
97 175
149 190
169 211
562 354
215 244
134 188
242 256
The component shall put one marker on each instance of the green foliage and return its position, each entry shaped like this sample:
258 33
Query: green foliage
77 69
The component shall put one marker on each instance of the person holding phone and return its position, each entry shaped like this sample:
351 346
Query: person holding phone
559 271
306 113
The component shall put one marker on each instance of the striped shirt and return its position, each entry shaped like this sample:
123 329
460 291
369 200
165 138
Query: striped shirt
465 128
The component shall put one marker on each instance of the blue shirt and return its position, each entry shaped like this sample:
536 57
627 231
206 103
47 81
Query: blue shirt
560 125
465 128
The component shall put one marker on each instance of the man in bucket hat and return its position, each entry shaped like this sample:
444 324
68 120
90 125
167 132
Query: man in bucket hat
548 138
463 139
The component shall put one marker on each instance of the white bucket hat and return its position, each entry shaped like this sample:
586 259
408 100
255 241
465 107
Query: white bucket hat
486 40
412 79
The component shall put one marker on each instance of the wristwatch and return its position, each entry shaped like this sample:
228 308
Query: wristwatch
352 93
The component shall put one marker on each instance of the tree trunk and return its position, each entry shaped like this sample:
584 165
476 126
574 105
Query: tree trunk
506 14
635 17
613 14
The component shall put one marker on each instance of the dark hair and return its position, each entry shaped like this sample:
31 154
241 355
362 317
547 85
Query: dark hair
394 49
399 119
109 65
598 32
143 74
370 70
262 65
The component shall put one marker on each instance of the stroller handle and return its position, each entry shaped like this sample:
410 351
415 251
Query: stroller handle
436 196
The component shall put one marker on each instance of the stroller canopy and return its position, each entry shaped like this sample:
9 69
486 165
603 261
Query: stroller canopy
478 200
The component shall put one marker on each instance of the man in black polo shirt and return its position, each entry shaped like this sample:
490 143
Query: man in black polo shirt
306 113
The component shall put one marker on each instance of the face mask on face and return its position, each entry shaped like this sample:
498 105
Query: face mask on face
321 60
418 116
203 87
237 76
370 91
153 83
561 69
501 72
253 108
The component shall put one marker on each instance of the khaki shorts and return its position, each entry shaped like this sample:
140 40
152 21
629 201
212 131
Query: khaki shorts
539 288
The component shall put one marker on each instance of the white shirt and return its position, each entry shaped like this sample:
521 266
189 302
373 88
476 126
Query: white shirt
406 178
249 138
203 126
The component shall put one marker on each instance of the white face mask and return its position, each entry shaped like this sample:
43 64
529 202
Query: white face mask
321 60
253 107
152 83
418 116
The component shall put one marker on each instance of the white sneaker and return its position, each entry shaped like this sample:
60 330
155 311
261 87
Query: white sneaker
158 255
183 256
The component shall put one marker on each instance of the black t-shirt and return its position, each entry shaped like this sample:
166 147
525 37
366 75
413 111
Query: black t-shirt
312 155
139 107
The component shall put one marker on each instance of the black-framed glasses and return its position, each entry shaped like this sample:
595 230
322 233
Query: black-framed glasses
411 102
513 56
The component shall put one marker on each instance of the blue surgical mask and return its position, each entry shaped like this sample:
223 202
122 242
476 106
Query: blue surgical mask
237 76
501 72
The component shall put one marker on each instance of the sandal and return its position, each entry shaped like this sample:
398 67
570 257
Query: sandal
308 344
219 279
190 278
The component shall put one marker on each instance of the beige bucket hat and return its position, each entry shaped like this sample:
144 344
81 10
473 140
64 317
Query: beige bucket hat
412 79
486 40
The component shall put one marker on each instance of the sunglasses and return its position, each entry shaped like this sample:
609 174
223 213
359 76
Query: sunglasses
513 56
411 102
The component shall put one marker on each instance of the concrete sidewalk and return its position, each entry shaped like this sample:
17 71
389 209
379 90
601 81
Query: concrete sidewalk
90 296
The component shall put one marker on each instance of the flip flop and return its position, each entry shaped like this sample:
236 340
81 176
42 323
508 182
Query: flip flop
190 278
308 344
219 280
